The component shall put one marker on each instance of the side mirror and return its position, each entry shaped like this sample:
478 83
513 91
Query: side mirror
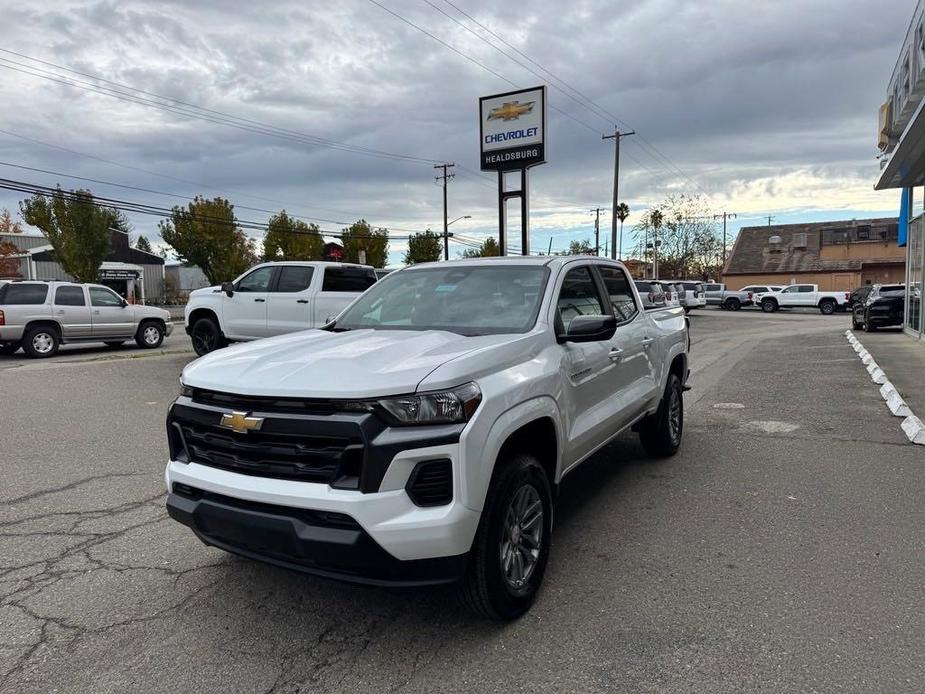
124 303
228 288
589 329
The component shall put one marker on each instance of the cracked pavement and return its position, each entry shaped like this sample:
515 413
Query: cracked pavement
783 550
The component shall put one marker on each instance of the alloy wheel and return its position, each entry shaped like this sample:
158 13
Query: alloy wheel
43 343
522 537
151 335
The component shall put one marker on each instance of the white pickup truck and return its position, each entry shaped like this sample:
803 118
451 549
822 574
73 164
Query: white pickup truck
421 436
272 299
803 296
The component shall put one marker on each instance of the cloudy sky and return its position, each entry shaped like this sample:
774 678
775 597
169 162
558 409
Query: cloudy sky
764 108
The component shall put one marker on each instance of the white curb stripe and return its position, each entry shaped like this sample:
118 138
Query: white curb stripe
912 426
914 429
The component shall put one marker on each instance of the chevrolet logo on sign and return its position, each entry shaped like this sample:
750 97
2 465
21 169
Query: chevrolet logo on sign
240 423
511 110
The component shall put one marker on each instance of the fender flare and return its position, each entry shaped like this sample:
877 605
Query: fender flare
478 474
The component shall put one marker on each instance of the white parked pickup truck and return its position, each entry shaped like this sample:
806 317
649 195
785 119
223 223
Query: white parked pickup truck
420 438
803 296
272 299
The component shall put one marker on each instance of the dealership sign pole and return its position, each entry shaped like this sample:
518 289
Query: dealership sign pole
512 132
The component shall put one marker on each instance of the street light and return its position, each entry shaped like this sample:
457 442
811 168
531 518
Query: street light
447 234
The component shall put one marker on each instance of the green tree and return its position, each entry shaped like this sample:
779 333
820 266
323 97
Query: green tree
425 247
142 244
206 234
582 247
291 239
488 249
77 229
360 237
622 213
8 225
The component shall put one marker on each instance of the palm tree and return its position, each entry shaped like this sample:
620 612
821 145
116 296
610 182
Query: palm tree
656 218
622 212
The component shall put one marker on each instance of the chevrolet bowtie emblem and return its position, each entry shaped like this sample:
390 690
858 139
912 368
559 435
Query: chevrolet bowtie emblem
240 423
510 110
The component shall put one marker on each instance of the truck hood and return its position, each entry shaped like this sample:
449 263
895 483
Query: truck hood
322 364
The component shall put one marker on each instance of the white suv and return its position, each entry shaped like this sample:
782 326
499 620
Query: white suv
420 438
273 299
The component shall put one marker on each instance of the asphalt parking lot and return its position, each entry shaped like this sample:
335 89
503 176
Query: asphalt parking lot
782 549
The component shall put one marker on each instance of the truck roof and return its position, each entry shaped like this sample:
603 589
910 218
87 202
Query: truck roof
549 260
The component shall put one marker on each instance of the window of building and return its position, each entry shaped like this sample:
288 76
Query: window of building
294 278
28 293
863 233
348 279
621 295
70 296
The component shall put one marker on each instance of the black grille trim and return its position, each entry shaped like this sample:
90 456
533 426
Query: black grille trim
431 483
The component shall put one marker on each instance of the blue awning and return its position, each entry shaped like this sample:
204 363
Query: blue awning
905 212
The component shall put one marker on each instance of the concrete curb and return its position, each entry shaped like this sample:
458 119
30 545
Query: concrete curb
912 426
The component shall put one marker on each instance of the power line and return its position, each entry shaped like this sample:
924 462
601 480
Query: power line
131 94
181 180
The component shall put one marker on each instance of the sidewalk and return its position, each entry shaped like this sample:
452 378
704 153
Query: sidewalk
903 361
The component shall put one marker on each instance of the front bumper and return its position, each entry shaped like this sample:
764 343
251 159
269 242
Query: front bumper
331 545
168 328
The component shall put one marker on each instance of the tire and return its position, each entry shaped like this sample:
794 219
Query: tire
150 335
768 306
114 343
733 304
827 307
854 322
660 433
488 589
207 336
9 348
41 342
868 328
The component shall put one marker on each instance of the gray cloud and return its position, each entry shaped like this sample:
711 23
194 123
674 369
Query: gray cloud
749 99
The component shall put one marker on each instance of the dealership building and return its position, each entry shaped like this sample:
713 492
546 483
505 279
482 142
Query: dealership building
902 143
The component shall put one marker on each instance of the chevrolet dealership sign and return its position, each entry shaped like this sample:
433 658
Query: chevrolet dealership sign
513 129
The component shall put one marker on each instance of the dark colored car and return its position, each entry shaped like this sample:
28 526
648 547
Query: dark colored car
883 307
859 295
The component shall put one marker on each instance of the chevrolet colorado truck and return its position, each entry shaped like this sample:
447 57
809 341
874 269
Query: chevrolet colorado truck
420 437
272 299
803 296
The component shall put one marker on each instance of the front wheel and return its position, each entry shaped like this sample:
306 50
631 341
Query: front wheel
207 336
854 323
768 306
868 328
512 543
827 308
660 433
150 335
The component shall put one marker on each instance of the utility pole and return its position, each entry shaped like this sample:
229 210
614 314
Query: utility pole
616 137
597 228
725 216
769 220
446 227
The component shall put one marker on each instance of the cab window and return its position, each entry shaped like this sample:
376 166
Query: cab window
104 297
348 279
70 296
578 296
256 281
294 278
618 289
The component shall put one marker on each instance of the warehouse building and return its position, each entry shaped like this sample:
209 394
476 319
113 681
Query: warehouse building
136 275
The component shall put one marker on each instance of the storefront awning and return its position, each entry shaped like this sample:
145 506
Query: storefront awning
906 167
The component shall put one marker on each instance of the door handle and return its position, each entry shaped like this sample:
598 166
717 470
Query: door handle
616 354
97 312
260 301
646 341
301 301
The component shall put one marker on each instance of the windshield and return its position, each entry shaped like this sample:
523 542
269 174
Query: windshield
477 300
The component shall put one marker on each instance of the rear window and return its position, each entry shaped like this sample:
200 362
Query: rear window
712 287
643 286
294 278
23 294
348 279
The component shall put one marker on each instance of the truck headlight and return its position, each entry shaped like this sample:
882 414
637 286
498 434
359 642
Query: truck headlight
440 407
185 390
